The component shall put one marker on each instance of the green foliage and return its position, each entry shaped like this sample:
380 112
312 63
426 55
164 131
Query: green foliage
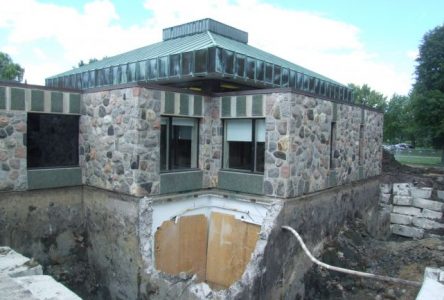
395 119
10 70
430 68
428 92
82 63
366 96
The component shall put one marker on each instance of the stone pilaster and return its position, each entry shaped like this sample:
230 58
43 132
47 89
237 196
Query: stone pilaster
13 175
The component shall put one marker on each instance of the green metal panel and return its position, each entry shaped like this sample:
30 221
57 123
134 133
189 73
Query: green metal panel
74 103
2 97
180 181
169 103
332 180
226 106
56 102
37 100
335 112
198 105
258 107
51 178
17 99
188 43
241 106
241 182
184 104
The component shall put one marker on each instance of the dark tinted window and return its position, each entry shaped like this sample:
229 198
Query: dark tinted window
52 140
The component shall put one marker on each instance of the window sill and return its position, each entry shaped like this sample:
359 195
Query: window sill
179 171
241 171
43 178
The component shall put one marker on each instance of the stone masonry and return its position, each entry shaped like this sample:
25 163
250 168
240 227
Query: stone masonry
13 151
210 142
298 146
119 137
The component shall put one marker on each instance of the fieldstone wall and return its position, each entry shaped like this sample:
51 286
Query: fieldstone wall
346 152
311 120
298 146
373 125
13 176
210 142
119 140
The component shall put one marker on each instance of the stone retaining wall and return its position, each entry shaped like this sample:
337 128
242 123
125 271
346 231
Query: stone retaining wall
414 212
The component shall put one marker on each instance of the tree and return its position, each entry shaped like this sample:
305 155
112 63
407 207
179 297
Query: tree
428 90
366 96
82 63
10 70
399 125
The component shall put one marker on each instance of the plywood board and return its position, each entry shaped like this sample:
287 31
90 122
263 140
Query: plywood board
230 244
182 247
166 241
193 245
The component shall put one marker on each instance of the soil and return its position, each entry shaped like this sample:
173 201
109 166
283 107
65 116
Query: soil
397 257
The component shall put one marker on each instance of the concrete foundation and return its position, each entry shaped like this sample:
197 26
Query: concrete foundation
117 233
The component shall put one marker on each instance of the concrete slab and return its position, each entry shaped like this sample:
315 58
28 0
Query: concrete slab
400 219
440 195
407 231
407 210
14 264
424 192
431 214
45 287
402 200
401 189
426 223
429 204
432 287
21 278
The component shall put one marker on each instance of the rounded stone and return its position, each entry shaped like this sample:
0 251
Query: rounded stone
4 120
3 134
268 188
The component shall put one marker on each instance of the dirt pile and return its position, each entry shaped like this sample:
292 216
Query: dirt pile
355 249
397 257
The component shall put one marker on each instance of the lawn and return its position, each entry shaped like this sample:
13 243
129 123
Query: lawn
427 157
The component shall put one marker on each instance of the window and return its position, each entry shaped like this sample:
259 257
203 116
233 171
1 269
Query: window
52 140
178 143
244 144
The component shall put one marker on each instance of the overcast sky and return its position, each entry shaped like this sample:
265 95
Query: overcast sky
373 42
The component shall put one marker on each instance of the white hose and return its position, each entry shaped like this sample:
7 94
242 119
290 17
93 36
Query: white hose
347 271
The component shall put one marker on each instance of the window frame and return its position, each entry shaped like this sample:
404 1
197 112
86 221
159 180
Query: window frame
254 148
169 140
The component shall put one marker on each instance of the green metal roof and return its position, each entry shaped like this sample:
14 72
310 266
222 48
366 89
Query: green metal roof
190 43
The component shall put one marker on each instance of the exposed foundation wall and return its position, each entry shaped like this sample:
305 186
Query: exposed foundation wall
111 221
46 224
317 217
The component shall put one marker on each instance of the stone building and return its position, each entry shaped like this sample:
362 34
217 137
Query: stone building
184 157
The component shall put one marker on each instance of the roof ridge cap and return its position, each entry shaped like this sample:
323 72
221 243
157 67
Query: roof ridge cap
211 37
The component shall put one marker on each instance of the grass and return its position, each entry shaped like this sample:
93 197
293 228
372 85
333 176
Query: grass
428 157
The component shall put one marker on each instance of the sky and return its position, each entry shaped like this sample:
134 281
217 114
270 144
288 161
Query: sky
372 42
